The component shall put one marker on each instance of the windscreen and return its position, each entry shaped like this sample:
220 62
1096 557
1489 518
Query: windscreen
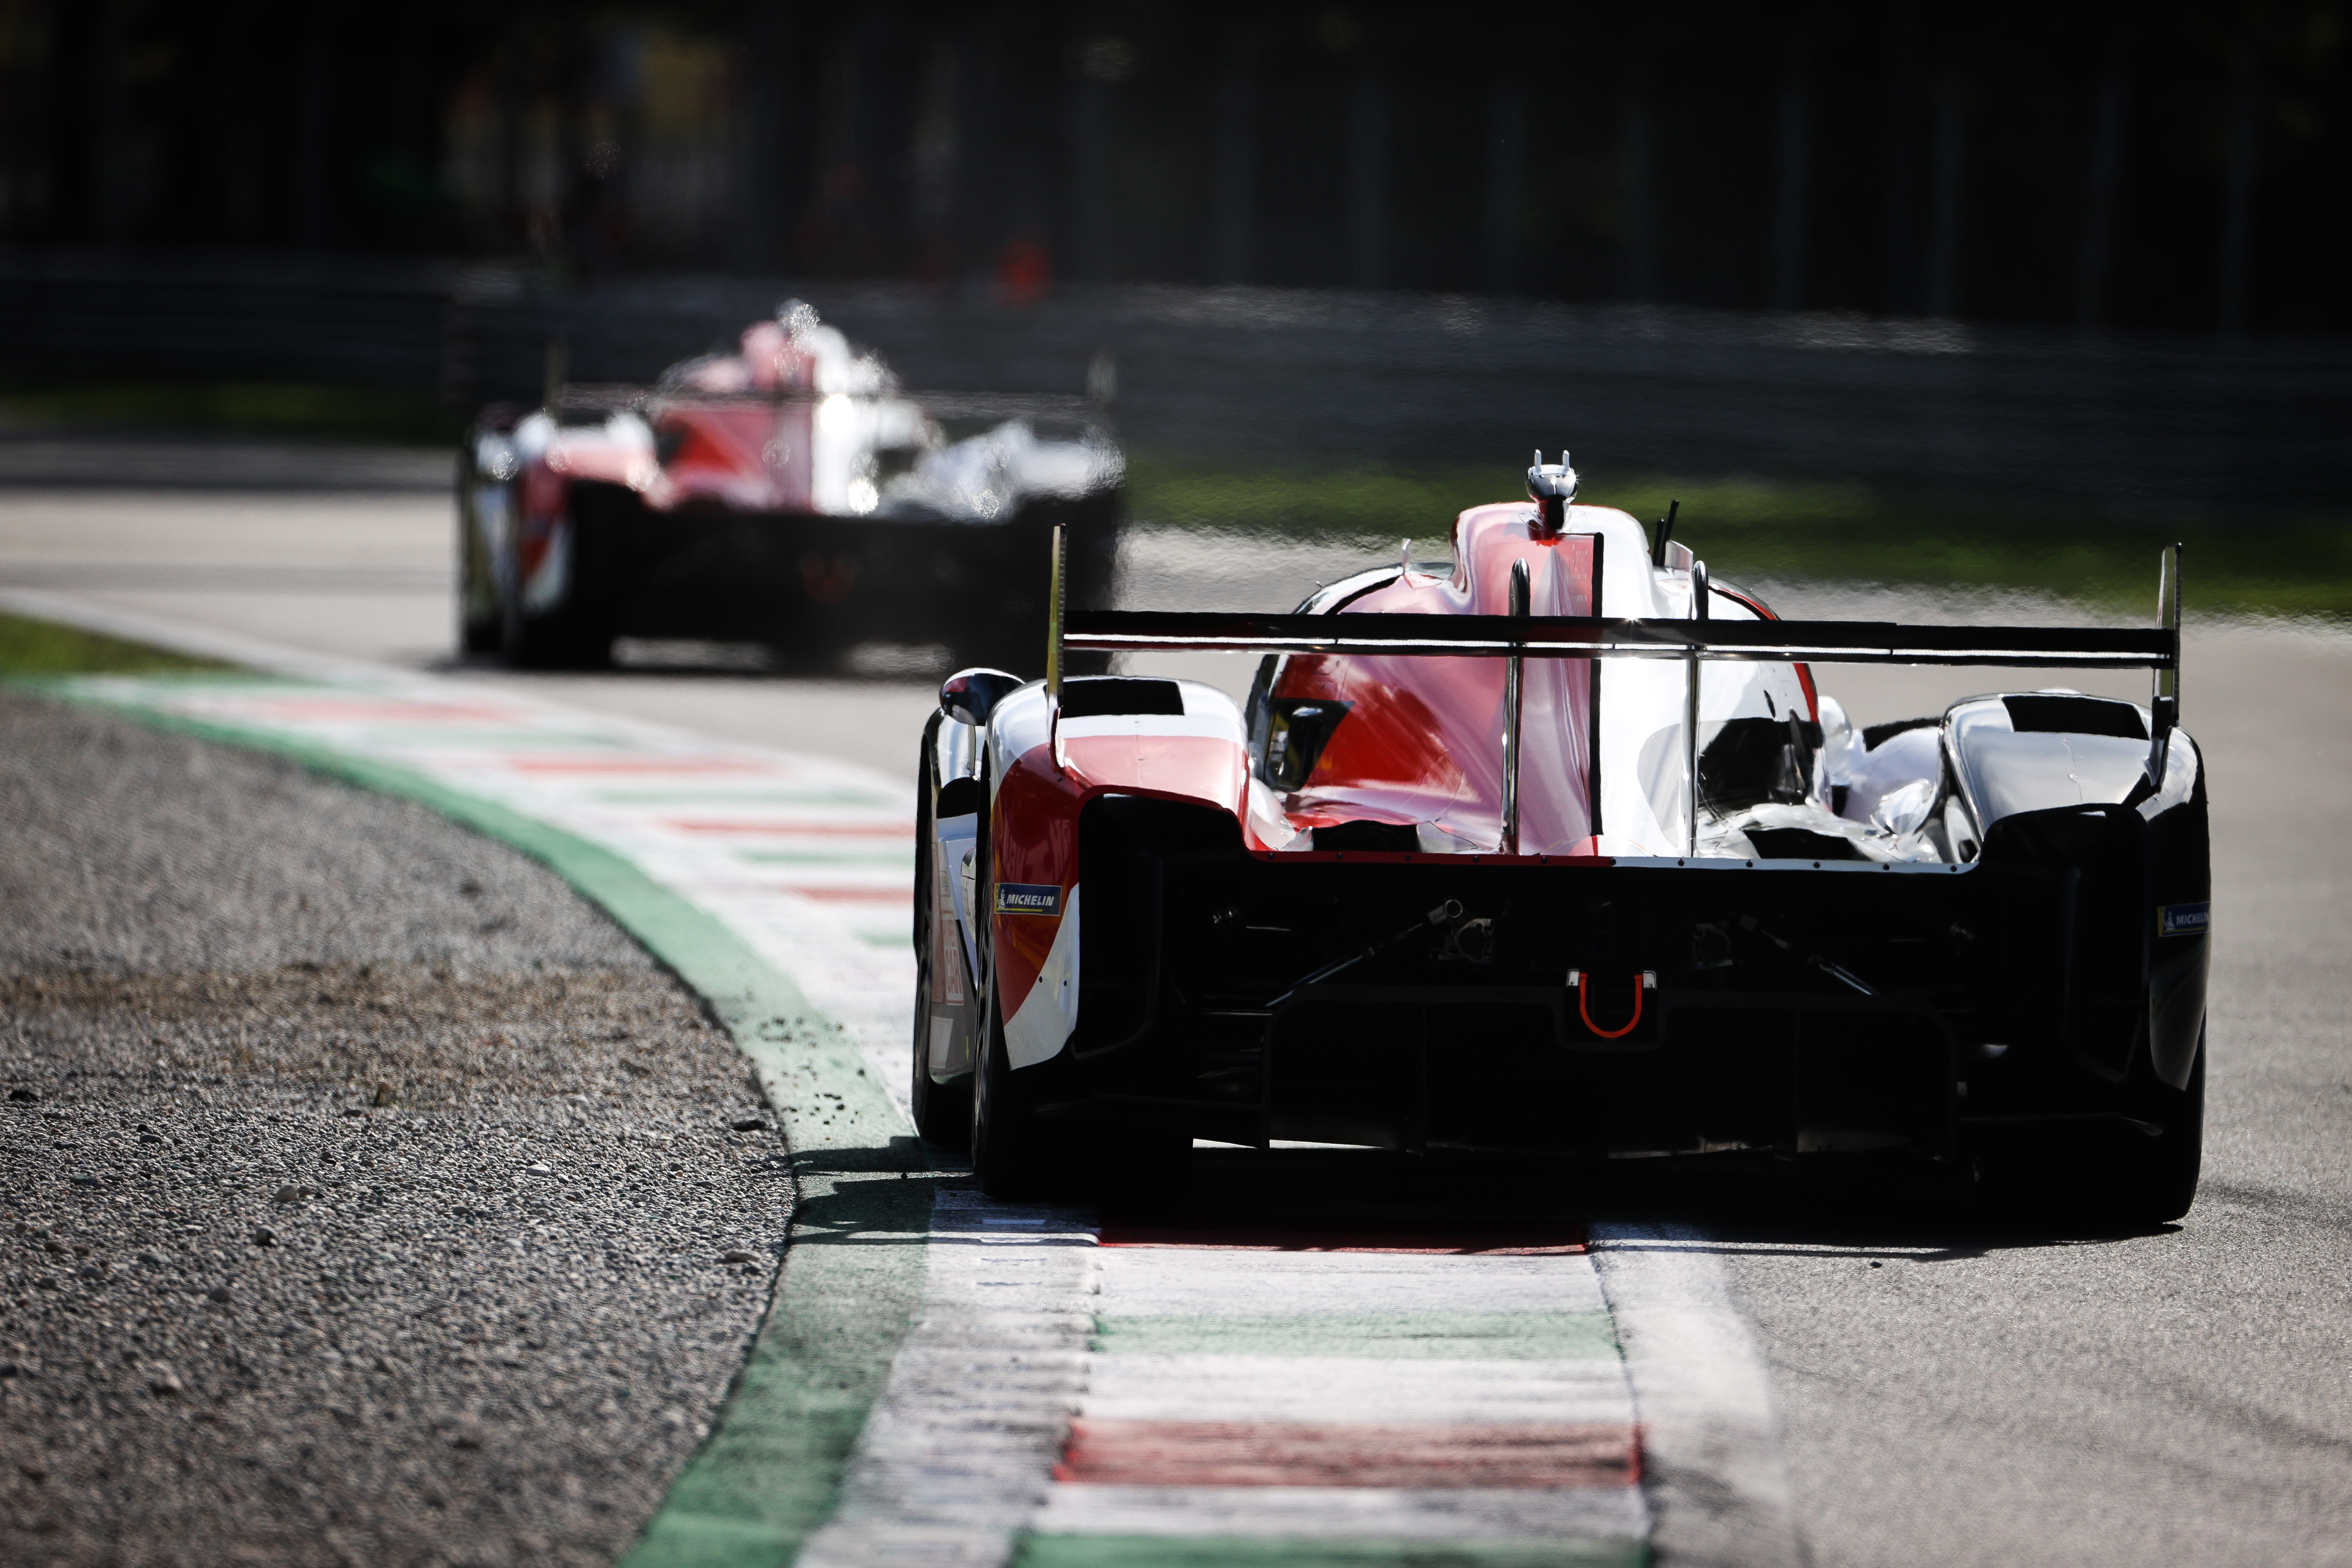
1417 742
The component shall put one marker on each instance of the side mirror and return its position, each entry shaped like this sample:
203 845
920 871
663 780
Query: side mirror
968 696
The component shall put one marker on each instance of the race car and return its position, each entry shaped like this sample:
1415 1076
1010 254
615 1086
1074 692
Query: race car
1558 849
789 493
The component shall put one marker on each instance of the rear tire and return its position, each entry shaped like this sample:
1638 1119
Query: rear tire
1015 1153
999 1120
1018 1153
2151 1182
943 1110
2158 1184
477 589
578 633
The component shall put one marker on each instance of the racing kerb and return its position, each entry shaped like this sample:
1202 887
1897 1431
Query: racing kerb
944 1378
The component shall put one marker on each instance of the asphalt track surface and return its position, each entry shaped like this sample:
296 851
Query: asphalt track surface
1949 1390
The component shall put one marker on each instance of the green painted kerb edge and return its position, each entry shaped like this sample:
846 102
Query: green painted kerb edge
852 1277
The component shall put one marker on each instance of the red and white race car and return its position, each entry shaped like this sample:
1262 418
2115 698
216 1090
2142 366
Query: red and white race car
1558 847
788 493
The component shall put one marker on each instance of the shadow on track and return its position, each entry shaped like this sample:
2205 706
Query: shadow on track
1302 1199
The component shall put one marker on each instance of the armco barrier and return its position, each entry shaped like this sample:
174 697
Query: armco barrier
2123 426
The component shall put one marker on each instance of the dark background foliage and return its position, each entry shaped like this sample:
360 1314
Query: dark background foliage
2177 166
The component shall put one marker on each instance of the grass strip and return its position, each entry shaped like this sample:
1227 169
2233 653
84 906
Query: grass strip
30 647
1760 529
411 418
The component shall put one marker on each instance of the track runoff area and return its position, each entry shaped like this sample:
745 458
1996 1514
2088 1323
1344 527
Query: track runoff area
944 1378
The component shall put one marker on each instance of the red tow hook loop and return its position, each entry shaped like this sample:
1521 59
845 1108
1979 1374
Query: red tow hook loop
1645 981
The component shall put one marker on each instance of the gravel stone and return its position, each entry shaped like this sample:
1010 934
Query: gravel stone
442 1359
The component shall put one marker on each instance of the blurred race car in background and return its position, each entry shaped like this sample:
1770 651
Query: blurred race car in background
1558 849
788 493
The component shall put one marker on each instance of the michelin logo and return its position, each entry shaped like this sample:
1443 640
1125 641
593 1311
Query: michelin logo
1028 899
2183 920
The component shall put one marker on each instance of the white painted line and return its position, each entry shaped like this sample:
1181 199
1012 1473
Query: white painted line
1332 1389
956 1458
1712 1458
1593 1513
1180 1281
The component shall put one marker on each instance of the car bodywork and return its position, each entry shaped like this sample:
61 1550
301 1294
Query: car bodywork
789 493
1560 848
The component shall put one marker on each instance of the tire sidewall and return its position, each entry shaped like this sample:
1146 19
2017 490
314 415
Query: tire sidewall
918 1090
477 573
2176 1162
2128 1191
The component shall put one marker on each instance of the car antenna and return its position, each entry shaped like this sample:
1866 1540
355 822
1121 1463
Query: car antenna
1666 532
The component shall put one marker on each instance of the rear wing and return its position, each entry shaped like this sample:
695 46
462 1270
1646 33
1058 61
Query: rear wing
630 397
1594 637
1520 635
